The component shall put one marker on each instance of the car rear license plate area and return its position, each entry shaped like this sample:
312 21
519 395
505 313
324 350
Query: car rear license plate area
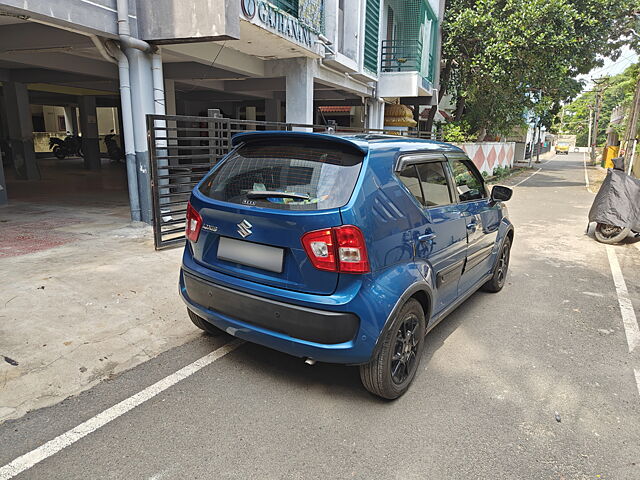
251 254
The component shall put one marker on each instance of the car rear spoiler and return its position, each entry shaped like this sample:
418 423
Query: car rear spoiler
261 135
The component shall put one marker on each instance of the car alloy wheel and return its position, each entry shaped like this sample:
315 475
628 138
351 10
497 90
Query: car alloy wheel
403 362
503 264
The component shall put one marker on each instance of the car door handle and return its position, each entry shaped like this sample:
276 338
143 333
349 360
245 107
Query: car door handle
426 237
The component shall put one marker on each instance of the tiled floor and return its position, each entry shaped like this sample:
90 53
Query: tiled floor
67 204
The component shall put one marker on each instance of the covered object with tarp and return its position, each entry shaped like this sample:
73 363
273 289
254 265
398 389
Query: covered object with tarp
618 201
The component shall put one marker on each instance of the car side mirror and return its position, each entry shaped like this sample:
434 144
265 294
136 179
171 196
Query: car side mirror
500 194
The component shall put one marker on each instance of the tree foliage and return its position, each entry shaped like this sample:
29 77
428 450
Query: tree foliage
618 90
512 56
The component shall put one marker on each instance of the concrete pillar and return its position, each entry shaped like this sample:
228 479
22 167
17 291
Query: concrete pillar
171 108
273 110
89 128
3 154
375 114
299 84
416 114
142 104
71 119
250 114
170 96
4 200
20 128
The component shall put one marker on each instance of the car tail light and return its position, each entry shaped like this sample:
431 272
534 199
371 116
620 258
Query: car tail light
320 248
338 249
352 251
194 224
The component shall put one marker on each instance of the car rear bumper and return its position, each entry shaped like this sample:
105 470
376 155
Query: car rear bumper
301 331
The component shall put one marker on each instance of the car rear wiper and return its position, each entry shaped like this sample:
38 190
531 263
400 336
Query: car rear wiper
270 194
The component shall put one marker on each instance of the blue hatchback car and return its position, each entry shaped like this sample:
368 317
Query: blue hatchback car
344 249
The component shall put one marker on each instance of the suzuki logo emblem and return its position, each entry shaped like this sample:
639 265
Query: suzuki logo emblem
244 229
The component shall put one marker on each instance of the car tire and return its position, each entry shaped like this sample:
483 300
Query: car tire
497 281
610 235
390 373
202 324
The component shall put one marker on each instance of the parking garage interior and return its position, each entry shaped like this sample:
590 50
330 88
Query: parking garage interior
55 82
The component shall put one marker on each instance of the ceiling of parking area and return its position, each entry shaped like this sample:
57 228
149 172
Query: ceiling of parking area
6 19
55 61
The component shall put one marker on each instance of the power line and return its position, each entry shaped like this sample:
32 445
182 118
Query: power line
628 57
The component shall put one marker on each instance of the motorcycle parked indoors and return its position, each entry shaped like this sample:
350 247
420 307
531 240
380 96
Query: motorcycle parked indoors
71 146
616 208
113 148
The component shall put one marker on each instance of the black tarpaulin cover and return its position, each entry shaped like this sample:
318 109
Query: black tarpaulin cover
618 201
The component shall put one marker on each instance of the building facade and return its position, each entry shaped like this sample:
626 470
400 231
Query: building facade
296 61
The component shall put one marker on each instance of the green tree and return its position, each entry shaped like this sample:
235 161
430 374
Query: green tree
506 57
618 90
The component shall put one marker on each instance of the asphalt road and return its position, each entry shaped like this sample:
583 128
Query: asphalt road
496 377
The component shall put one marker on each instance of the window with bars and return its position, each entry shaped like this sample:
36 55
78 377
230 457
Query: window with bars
411 39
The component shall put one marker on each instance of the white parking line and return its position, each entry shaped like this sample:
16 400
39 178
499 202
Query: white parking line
626 307
522 181
52 447
534 173
637 373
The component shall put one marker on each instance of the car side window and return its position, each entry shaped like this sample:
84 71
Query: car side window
469 182
435 187
409 177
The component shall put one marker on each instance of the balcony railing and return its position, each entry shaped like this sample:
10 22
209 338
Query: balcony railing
399 56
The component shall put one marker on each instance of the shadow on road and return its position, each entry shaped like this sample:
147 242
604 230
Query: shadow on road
337 380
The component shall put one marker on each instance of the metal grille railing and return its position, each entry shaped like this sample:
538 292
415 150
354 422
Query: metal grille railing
399 56
184 148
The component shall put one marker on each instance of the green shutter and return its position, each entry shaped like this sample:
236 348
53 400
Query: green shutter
433 43
289 6
371 29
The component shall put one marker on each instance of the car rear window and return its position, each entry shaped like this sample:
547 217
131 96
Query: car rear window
325 173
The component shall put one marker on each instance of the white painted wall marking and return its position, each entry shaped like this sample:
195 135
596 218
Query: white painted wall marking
52 447
626 307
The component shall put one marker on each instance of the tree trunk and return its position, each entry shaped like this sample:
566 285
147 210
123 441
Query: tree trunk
459 109
444 85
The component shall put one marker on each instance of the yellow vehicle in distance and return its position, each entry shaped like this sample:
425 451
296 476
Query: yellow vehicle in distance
562 147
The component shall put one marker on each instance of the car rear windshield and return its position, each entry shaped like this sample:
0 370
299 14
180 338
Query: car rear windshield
318 175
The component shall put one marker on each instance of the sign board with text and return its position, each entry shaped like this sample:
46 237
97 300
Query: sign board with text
302 31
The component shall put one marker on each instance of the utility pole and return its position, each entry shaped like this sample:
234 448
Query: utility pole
533 143
539 142
630 136
590 123
594 140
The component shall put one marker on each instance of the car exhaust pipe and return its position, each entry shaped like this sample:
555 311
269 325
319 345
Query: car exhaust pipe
309 361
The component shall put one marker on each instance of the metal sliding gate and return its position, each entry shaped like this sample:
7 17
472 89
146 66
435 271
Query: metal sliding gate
184 148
